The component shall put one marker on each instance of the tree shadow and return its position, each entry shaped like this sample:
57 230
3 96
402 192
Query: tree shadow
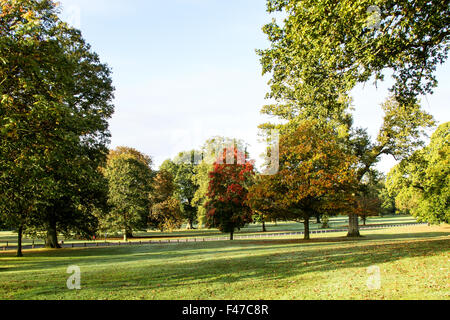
219 262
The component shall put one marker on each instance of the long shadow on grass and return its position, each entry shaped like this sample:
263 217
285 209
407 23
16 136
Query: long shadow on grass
259 265
264 266
36 261
50 259
319 254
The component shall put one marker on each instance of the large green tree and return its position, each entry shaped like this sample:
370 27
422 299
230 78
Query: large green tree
323 49
55 102
129 176
422 182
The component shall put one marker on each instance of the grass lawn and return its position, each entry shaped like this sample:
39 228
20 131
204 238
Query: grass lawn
414 264
335 222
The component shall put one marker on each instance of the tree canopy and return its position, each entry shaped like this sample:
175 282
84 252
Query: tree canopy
55 102
322 49
227 207
422 182
129 176
317 175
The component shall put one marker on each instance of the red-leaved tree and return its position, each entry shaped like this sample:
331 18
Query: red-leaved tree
227 209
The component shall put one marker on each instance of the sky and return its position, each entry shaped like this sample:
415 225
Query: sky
187 70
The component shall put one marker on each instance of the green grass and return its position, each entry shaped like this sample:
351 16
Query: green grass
414 264
335 222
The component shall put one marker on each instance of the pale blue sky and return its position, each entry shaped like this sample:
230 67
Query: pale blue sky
185 70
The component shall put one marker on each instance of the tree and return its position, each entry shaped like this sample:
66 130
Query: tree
316 176
167 215
129 176
201 181
165 211
227 209
56 99
324 48
388 206
368 202
183 168
210 151
422 182
263 206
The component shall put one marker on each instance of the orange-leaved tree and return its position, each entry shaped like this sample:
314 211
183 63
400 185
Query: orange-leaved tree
232 174
316 176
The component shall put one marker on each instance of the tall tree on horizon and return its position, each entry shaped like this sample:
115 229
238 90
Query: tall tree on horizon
322 49
55 102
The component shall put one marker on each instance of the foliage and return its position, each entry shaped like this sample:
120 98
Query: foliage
210 151
183 169
316 176
325 222
263 206
227 208
333 45
129 176
55 102
165 213
368 202
323 49
422 182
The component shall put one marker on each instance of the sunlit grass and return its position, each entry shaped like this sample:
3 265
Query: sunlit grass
252 229
414 264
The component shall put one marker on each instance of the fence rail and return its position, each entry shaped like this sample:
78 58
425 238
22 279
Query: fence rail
223 238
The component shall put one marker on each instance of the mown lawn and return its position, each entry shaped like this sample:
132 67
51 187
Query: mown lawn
335 222
414 264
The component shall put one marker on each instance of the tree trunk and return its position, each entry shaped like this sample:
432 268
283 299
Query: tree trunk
318 219
306 223
19 242
190 225
364 220
127 234
231 235
52 236
264 226
353 226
